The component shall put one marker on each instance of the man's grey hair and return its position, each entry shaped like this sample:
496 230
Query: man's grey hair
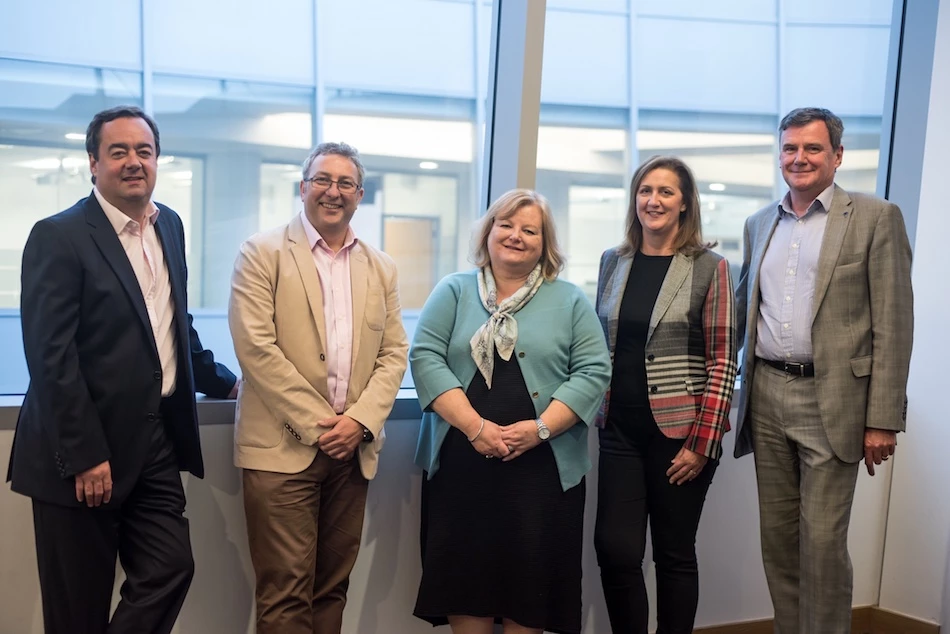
803 116
339 149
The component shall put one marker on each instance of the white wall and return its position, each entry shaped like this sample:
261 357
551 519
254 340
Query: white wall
917 557
384 583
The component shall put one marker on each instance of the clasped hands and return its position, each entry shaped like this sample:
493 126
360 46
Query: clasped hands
506 442
344 436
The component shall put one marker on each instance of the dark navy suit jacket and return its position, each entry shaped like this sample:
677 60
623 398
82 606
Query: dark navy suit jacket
95 376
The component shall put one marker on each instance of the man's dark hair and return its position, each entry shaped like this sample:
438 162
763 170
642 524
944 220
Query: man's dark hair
803 116
94 131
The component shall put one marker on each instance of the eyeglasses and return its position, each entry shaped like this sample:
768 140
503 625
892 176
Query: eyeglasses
345 185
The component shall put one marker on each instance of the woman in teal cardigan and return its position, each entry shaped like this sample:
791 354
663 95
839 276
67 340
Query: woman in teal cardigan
510 365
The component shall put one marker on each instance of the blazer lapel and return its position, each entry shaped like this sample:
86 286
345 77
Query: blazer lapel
762 239
104 235
839 216
613 296
174 262
359 278
300 249
679 270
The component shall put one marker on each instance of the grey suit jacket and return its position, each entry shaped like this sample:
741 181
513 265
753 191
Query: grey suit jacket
862 320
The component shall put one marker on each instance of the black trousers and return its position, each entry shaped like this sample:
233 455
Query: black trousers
632 488
76 550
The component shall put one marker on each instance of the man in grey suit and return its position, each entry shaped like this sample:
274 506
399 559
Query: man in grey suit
825 311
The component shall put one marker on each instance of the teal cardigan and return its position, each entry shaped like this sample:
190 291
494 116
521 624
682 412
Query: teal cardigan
561 351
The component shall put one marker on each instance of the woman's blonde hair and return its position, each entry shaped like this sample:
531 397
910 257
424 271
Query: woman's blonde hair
689 237
552 258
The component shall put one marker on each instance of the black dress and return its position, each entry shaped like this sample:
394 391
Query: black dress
501 539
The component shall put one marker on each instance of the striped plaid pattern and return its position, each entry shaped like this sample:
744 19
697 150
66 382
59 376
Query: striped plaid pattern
691 345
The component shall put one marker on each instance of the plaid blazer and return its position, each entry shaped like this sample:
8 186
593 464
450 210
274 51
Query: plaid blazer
691 345
862 326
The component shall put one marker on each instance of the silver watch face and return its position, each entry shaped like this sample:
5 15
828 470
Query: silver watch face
544 433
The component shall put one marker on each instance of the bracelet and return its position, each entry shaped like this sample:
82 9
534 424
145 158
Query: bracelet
479 432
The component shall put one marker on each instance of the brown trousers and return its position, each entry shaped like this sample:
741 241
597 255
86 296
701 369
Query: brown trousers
304 534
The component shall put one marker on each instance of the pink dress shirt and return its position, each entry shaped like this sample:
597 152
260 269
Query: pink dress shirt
334 272
145 254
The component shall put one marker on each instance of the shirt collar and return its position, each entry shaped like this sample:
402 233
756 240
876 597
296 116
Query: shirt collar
314 238
824 202
119 220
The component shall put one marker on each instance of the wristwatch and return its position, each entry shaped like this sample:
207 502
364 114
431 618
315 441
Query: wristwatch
543 432
367 434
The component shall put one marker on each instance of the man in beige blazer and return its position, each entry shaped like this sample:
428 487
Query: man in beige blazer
317 329
825 309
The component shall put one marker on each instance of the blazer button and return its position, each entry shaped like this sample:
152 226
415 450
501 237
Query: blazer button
323 357
157 375
150 417
521 355
653 389
534 395
650 357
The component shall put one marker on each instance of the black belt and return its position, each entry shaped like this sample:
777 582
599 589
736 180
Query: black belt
788 367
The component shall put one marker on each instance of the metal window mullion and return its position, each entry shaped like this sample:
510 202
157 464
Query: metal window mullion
145 26
318 104
514 96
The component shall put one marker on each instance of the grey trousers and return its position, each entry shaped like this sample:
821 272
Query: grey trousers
805 496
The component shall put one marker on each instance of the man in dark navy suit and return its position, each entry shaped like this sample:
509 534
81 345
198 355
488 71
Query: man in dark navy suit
109 418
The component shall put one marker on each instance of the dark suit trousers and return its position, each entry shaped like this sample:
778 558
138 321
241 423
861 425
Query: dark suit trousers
304 532
76 550
633 488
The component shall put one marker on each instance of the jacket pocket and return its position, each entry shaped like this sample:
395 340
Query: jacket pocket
861 366
375 310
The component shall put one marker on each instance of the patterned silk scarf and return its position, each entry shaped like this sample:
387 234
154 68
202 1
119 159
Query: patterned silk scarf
501 329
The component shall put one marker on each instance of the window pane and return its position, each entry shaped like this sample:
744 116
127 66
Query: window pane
419 183
44 111
715 100
583 171
227 139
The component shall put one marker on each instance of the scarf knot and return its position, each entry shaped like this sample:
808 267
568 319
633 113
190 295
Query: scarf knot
500 330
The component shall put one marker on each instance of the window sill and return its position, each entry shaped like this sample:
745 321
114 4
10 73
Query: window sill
212 411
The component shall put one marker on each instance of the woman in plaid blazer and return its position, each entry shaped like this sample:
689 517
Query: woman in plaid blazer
665 302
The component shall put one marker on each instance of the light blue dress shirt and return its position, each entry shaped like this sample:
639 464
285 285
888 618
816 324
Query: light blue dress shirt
787 281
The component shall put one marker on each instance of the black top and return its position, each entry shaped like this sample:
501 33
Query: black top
501 539
628 387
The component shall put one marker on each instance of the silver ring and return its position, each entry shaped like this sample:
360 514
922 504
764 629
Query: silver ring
511 450
489 456
692 472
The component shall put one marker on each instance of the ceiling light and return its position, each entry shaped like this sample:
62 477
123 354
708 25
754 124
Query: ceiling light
428 165
75 136
42 164
165 160
717 187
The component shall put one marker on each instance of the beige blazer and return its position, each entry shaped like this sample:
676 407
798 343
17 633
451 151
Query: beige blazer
862 320
277 324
